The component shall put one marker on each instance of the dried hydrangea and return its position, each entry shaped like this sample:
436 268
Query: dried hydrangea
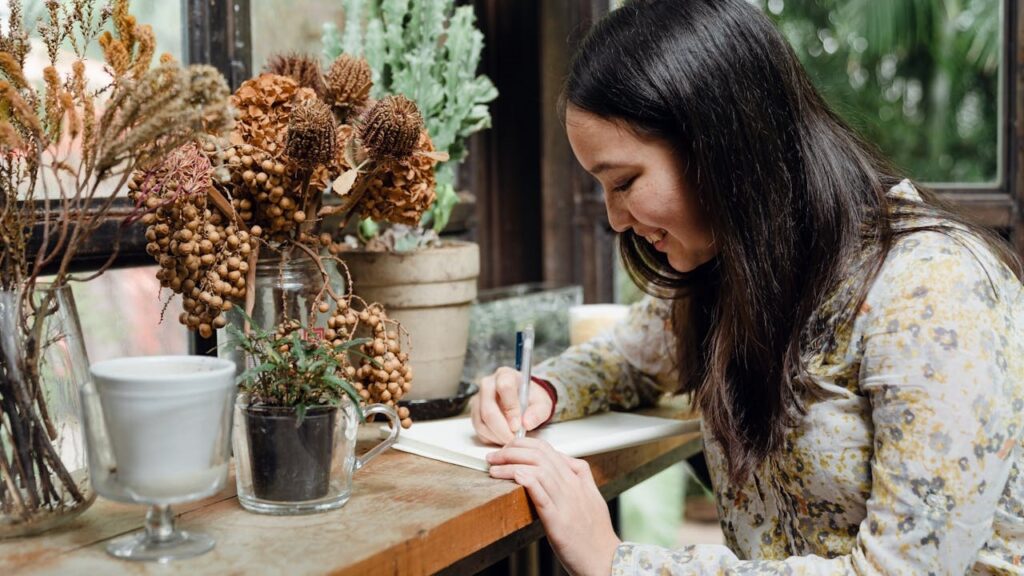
264 104
400 191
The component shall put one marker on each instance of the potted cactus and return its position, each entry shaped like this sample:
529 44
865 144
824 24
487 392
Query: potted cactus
428 51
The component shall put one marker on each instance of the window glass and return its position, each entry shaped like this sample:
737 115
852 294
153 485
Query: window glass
919 78
286 26
121 312
164 17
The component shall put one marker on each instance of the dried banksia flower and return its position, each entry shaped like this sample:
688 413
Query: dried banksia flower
302 68
348 84
311 134
391 128
401 190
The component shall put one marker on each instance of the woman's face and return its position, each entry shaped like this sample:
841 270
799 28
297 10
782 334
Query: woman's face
645 187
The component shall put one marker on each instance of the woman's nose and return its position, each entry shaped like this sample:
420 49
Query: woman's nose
618 216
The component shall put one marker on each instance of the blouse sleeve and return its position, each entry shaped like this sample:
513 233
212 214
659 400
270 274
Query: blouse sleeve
942 339
628 366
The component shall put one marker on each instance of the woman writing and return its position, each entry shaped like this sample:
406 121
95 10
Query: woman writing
855 348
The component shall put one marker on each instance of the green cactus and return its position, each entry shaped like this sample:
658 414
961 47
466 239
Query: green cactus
428 51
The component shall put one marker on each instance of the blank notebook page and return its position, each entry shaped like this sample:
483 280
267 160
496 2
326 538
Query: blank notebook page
453 440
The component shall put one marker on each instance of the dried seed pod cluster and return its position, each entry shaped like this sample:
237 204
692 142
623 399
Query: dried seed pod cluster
384 374
283 152
215 206
202 255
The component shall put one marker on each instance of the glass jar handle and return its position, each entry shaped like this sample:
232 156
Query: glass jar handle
386 443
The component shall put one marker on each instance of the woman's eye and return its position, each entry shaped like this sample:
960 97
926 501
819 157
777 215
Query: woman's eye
624 185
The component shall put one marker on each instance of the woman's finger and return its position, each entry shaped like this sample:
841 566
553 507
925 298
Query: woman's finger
482 431
481 404
580 468
533 479
492 418
535 452
506 385
539 408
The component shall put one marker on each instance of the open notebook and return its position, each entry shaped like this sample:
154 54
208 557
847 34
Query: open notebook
454 441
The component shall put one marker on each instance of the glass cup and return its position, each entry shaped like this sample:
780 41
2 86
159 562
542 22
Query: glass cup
157 433
287 464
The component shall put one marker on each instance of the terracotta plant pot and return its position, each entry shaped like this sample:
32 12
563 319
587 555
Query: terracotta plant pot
429 292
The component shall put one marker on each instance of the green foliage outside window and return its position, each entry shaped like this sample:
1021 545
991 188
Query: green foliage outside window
919 78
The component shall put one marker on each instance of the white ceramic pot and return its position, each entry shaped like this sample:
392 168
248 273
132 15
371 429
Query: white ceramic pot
167 420
429 292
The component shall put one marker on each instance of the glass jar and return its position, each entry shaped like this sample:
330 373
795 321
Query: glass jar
44 473
287 462
286 288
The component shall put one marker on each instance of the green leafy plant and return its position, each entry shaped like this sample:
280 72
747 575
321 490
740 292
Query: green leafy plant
292 367
428 51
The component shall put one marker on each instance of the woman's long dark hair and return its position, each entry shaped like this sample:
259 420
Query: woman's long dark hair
791 192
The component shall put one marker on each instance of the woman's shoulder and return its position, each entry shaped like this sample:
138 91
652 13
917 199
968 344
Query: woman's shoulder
944 266
937 253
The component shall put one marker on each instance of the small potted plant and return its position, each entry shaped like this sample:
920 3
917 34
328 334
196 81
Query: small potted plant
297 416
428 51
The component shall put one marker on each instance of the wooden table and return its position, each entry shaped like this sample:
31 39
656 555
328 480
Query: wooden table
407 515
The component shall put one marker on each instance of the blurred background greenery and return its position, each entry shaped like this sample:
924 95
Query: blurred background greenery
919 78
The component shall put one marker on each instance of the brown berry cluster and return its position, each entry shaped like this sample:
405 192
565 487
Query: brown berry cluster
202 255
262 191
381 374
384 374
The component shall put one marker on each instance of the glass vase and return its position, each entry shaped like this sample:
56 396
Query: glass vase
286 288
44 473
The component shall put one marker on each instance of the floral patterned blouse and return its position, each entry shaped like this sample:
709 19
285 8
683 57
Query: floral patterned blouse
910 460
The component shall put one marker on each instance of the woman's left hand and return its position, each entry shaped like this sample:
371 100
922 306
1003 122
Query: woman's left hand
570 506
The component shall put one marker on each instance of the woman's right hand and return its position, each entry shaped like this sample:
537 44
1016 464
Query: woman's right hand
495 410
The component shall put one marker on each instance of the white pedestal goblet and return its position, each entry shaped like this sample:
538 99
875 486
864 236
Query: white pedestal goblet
158 433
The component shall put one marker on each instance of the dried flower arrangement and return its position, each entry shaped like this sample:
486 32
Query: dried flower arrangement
298 135
61 146
429 52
